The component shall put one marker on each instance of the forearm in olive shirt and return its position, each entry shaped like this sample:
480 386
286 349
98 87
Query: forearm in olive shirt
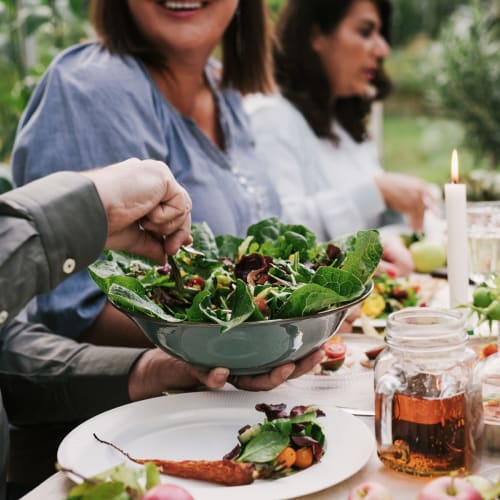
42 225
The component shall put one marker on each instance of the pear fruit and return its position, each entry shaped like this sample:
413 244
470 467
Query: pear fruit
428 255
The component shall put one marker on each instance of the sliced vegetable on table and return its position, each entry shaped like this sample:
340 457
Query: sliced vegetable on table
335 353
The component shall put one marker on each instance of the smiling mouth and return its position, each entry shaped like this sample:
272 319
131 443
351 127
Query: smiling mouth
182 6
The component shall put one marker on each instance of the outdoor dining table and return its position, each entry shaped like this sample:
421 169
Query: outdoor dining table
401 486
356 398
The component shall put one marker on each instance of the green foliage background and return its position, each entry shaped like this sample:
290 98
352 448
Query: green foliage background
46 26
420 127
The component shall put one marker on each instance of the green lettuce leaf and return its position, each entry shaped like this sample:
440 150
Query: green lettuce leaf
204 240
346 284
129 300
363 253
228 246
309 299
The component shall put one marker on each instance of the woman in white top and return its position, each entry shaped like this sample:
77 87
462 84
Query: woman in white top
328 60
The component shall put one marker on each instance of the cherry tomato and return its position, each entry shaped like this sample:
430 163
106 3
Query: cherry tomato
304 458
195 282
392 273
332 364
335 348
287 457
489 349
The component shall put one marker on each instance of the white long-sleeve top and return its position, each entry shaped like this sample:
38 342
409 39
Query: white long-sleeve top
328 188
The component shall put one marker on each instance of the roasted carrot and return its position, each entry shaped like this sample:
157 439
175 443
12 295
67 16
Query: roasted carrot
225 472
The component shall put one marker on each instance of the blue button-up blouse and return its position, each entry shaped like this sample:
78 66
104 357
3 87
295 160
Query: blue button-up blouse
93 108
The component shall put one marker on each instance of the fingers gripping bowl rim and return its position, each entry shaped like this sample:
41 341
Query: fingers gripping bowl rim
250 348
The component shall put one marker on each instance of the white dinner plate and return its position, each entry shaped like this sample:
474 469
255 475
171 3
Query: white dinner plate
204 426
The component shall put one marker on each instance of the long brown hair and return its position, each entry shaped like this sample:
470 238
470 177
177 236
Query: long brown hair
300 74
246 46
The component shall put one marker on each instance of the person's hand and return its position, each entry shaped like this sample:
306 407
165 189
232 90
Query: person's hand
156 372
406 194
276 377
396 258
148 211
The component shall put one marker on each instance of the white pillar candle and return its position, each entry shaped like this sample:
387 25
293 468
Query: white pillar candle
456 218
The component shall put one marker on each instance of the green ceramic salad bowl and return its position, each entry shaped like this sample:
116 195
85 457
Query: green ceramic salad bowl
247 304
249 348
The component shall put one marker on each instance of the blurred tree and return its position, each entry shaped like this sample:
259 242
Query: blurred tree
464 70
464 77
32 32
415 17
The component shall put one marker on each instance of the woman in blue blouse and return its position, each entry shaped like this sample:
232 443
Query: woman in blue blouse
149 89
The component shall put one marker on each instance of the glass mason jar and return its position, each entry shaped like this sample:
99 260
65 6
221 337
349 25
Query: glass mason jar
427 406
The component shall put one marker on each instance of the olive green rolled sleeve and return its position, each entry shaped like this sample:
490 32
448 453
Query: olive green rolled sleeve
50 229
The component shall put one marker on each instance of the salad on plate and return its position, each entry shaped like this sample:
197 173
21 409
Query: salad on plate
285 442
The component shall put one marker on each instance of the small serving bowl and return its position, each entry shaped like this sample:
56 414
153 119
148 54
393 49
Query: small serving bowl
250 348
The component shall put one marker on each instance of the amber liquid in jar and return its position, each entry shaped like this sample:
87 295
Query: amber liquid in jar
429 435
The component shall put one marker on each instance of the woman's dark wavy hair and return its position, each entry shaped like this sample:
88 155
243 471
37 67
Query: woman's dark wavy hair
246 45
300 74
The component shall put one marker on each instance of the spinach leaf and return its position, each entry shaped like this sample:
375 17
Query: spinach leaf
363 252
265 230
302 241
304 274
282 240
264 447
346 284
310 416
128 261
103 272
309 299
241 304
195 313
204 240
133 302
196 264
228 246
